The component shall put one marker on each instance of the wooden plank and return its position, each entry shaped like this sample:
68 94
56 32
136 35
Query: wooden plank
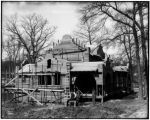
11 80
103 70
32 92
49 90
30 95
99 79
93 96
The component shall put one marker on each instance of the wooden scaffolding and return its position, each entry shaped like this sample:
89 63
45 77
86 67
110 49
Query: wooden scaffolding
41 84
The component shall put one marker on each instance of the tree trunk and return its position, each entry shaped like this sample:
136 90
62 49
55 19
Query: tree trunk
137 53
143 40
138 62
130 61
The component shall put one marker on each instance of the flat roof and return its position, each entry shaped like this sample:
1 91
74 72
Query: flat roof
86 66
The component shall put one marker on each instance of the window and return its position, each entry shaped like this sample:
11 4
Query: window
24 79
57 79
27 76
44 80
49 63
41 80
48 80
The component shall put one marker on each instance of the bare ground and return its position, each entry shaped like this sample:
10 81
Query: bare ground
128 107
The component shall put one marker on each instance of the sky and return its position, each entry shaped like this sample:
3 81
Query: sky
63 15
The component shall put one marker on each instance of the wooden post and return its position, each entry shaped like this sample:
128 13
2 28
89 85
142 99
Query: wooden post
116 77
6 76
102 94
102 99
9 73
96 90
68 71
76 40
29 81
62 53
82 57
53 44
93 96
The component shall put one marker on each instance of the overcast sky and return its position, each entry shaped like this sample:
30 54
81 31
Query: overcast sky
64 15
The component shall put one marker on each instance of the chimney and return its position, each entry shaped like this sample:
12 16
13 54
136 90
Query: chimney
100 52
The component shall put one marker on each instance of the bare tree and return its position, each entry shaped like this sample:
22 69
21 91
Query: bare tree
12 48
33 32
143 11
88 30
127 41
117 11
125 36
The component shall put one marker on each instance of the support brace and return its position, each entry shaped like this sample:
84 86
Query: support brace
11 81
30 95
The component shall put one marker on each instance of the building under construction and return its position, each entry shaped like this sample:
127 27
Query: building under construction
68 72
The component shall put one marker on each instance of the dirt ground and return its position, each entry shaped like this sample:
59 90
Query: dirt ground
127 107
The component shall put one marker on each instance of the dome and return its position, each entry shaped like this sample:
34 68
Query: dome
66 39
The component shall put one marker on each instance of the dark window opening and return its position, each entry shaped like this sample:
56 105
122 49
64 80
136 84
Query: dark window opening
44 80
49 80
57 79
41 80
27 76
23 79
49 63
20 76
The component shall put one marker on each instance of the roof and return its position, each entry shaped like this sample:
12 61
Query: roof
86 66
120 68
68 45
67 48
